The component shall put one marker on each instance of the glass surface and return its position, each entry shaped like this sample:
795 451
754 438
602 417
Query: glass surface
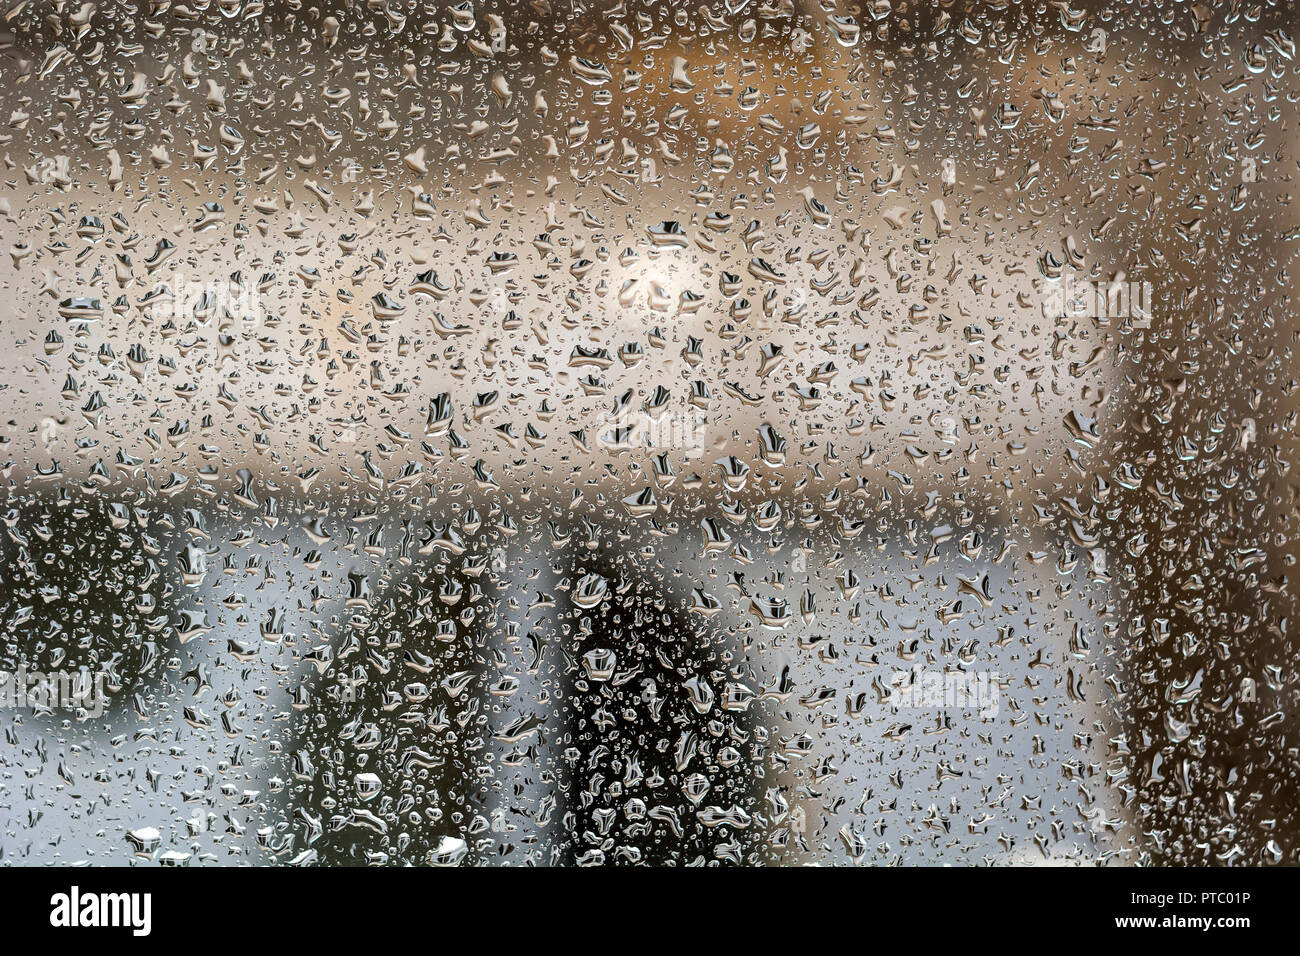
612 433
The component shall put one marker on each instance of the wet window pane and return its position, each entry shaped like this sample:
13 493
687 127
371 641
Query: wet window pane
612 433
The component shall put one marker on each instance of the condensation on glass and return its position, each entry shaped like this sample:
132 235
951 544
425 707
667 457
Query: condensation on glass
614 433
